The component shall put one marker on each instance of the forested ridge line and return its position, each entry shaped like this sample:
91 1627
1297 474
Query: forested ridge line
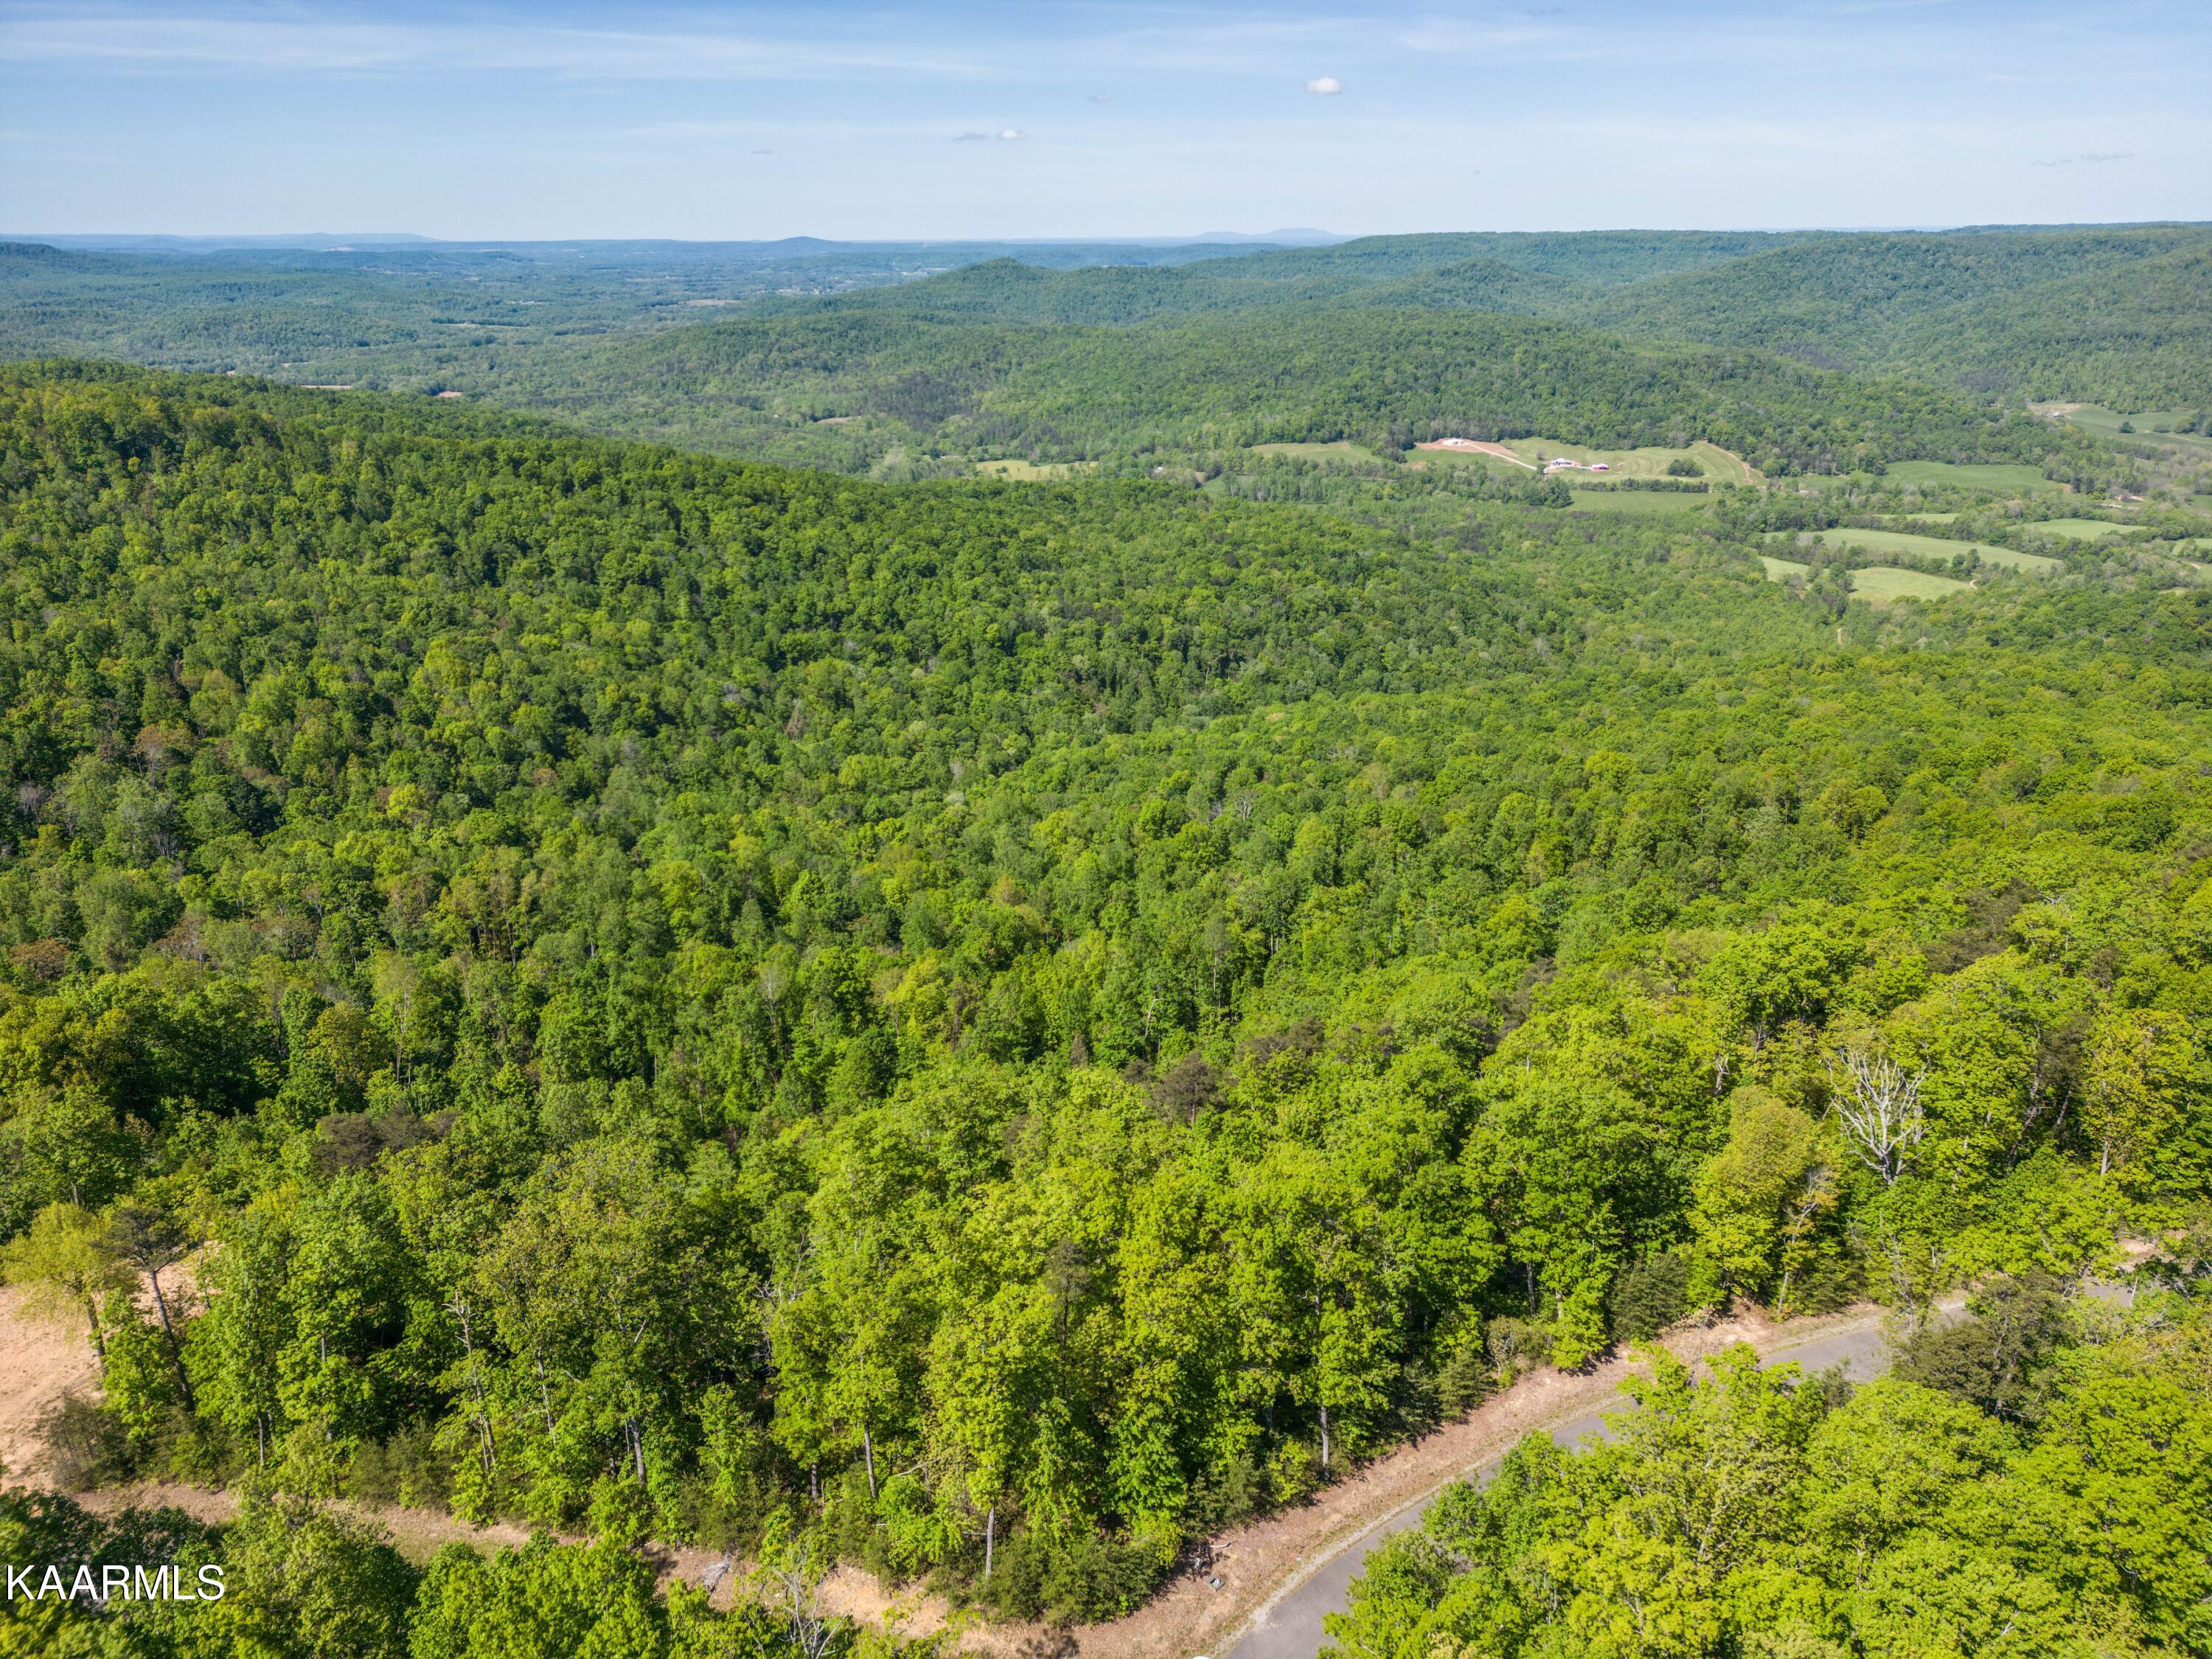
1386 377
973 1025
2111 317
1608 338
2108 314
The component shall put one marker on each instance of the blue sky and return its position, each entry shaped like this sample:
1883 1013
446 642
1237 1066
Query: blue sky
1100 118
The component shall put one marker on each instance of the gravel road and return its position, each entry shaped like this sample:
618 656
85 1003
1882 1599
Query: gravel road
1290 1627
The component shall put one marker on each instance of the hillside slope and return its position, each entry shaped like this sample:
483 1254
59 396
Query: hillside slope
1013 1025
2117 317
1385 377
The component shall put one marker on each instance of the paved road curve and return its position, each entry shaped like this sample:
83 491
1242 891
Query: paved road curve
1289 1626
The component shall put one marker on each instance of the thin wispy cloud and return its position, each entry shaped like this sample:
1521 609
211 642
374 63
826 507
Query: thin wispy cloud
1239 43
297 44
557 117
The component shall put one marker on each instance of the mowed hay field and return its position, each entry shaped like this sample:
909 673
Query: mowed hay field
2107 423
1881 583
1342 450
1638 500
1781 570
1032 472
2078 530
1895 542
1719 466
2015 478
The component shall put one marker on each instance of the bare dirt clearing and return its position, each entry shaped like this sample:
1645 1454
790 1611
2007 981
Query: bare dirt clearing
40 1360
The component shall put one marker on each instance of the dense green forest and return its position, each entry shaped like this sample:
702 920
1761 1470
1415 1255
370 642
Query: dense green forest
1551 268
858 389
2037 1479
406 313
2119 318
2114 316
929 357
998 1029
299 1578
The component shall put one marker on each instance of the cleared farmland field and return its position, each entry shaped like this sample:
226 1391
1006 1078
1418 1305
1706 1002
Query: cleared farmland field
2078 530
1719 466
1781 570
1033 472
1990 477
1881 583
1934 547
1638 501
2106 423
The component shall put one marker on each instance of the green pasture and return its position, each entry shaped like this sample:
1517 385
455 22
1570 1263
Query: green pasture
1496 463
1934 547
1033 472
1720 467
2078 530
1342 450
2105 423
2011 558
1638 501
1781 570
1989 476
1883 582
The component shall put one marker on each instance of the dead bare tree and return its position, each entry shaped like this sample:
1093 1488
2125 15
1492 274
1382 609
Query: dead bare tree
789 1572
1880 1110
152 1240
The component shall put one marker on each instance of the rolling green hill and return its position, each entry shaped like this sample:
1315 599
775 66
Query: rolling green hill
405 315
1385 377
1004 1024
1000 358
1533 272
2117 317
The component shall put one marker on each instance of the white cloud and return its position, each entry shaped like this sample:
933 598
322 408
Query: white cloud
1012 133
1327 85
299 45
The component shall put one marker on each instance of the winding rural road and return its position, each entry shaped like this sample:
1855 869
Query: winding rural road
1288 1626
